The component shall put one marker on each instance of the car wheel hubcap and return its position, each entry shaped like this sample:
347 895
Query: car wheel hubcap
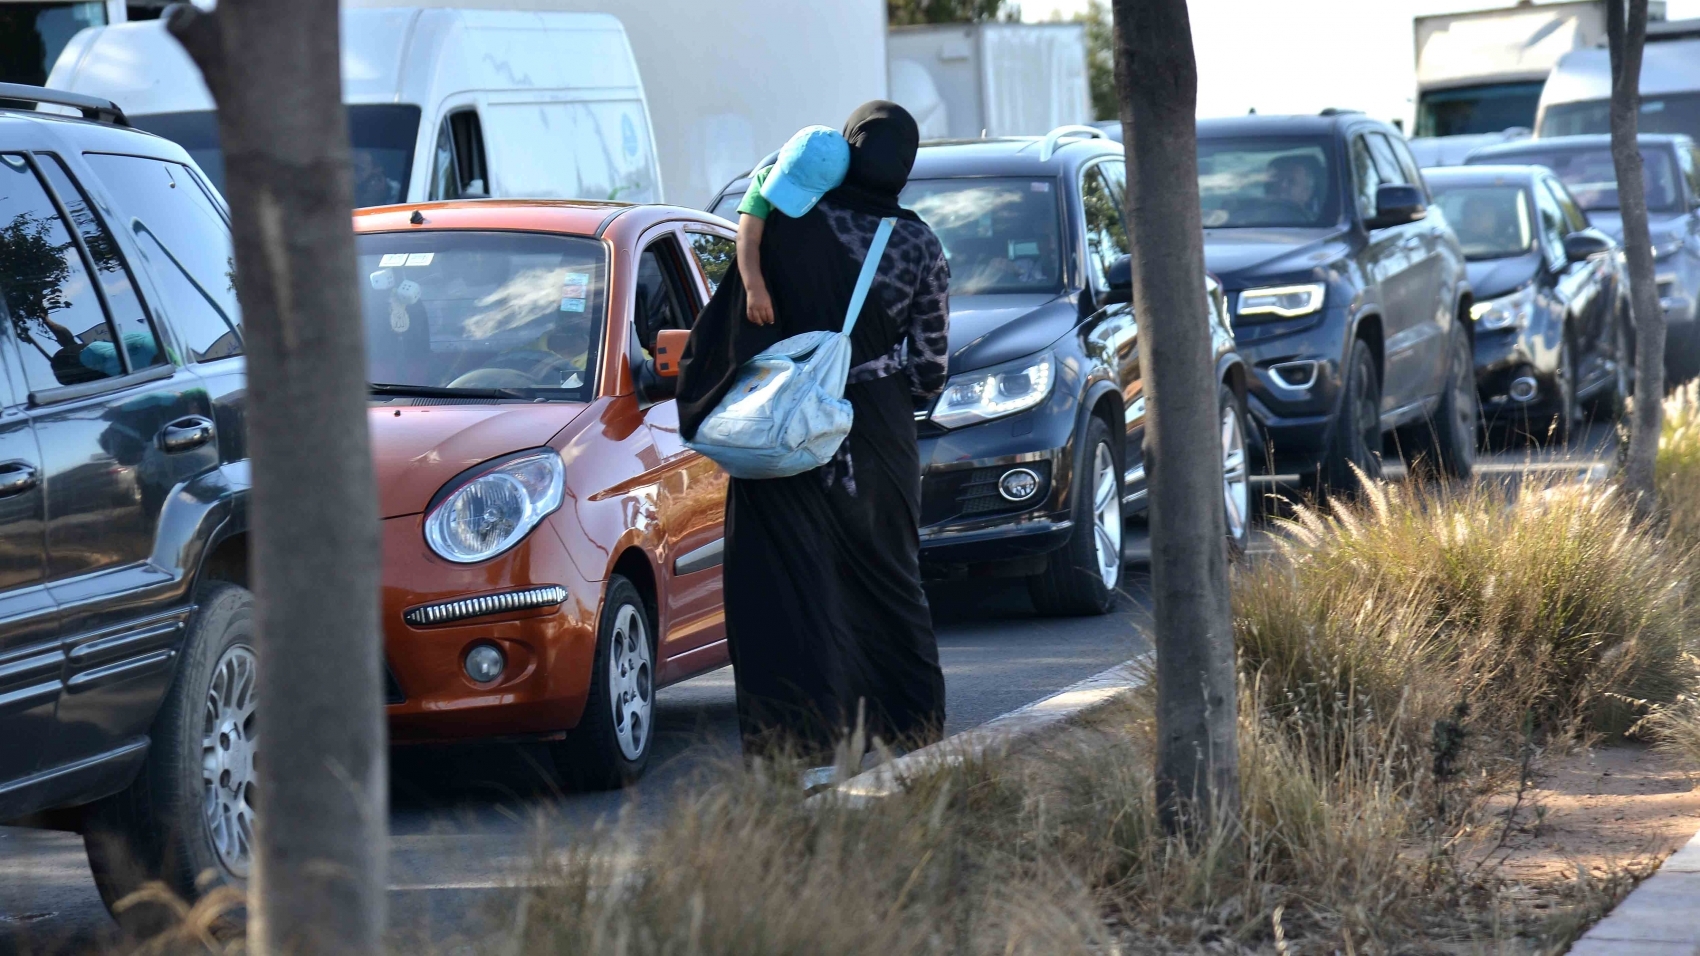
228 748
1235 485
1107 512
630 684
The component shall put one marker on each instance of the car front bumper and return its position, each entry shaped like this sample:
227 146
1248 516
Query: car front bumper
1294 425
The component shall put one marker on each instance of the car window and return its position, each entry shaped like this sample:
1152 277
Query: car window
1386 163
55 315
1408 163
1101 191
1575 220
1261 182
1365 177
715 253
457 160
1491 221
1590 175
186 241
1000 235
727 207
662 299
1691 172
141 344
1552 227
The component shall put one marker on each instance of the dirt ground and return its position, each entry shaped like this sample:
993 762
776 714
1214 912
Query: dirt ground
1603 809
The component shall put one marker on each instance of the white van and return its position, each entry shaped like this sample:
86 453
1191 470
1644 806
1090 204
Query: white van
442 103
1577 96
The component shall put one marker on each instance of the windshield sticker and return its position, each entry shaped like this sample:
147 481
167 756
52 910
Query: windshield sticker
382 280
420 258
1041 187
572 305
575 285
1018 250
393 259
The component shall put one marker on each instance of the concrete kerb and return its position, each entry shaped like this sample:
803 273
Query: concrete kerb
999 735
1661 917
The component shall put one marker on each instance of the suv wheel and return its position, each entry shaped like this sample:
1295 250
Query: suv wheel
1557 429
187 820
1447 442
1236 475
611 745
1082 575
1357 433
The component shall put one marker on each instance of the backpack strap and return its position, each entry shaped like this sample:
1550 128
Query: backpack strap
870 265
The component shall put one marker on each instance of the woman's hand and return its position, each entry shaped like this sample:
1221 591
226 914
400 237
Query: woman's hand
758 305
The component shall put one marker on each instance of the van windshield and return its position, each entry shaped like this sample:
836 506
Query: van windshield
382 135
1667 113
490 314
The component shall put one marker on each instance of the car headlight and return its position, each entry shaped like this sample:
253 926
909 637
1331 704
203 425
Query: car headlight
995 392
1287 301
1506 312
492 512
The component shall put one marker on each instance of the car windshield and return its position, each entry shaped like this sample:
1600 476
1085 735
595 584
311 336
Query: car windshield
727 207
1492 222
999 235
1668 113
1267 182
1592 178
481 311
382 137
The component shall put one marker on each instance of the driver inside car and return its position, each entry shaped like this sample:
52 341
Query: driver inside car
1298 180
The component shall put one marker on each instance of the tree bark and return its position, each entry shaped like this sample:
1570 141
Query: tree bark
1157 85
1626 34
274 70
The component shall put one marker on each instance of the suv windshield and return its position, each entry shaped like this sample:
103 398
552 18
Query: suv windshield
382 137
1592 178
482 311
1267 182
1670 113
999 235
1492 222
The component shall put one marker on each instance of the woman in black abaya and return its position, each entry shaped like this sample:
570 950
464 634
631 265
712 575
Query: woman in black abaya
826 620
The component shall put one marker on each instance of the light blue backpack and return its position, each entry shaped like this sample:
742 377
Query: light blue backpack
787 413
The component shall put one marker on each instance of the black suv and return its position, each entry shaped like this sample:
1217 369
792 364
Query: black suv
126 660
1033 453
1347 290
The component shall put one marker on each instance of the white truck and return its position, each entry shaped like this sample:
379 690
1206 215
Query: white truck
997 79
1482 72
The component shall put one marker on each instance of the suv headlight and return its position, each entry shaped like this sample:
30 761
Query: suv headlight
492 512
1506 312
995 392
1286 301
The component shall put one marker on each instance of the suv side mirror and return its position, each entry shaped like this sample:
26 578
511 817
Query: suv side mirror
1580 246
1120 276
1395 205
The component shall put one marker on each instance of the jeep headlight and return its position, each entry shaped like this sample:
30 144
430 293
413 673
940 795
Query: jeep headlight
490 513
1286 301
1506 312
986 394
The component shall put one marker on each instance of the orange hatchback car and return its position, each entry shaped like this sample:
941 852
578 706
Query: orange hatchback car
551 548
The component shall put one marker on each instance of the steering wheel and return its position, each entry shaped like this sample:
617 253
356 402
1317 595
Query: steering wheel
534 365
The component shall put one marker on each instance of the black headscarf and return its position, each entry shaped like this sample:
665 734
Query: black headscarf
809 272
883 139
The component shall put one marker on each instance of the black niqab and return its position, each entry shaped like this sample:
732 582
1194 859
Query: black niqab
883 139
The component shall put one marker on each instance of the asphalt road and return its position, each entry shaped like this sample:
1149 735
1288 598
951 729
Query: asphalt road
467 818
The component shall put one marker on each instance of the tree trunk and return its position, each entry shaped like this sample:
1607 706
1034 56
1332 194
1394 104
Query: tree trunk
1157 84
274 70
1626 35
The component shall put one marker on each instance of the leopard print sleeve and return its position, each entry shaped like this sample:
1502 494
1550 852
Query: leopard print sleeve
929 326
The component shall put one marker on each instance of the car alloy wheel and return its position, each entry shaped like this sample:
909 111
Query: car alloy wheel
1236 483
1107 515
631 682
228 750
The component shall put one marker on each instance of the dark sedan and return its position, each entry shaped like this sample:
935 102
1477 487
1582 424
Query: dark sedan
1550 312
1032 455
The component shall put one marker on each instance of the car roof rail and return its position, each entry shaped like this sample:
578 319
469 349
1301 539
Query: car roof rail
1048 145
1337 111
92 107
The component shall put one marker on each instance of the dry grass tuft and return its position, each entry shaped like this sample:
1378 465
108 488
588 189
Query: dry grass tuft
1677 471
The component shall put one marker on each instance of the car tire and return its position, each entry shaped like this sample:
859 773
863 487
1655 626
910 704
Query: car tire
1357 429
1613 403
1082 575
1446 444
1237 506
610 747
161 827
1559 428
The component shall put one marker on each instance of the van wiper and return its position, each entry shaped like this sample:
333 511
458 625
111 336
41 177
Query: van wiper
442 391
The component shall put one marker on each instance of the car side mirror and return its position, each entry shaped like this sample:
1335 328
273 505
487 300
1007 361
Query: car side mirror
1120 277
669 349
1397 204
1581 246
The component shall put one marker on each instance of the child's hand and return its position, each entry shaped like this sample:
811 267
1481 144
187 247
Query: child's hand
759 306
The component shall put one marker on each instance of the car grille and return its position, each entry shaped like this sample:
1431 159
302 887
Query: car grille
973 493
446 611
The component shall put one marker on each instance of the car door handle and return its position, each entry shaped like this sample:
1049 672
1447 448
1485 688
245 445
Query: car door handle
17 477
186 433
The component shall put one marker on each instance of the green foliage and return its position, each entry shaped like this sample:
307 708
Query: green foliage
902 13
1101 59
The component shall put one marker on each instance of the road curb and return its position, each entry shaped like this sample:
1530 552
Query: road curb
1657 918
999 734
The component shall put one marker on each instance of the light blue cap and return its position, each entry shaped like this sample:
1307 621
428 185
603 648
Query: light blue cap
810 163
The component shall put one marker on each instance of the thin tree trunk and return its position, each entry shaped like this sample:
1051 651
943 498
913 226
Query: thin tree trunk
274 70
1626 35
1157 84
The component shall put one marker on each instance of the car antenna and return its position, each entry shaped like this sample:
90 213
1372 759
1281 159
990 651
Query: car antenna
418 218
